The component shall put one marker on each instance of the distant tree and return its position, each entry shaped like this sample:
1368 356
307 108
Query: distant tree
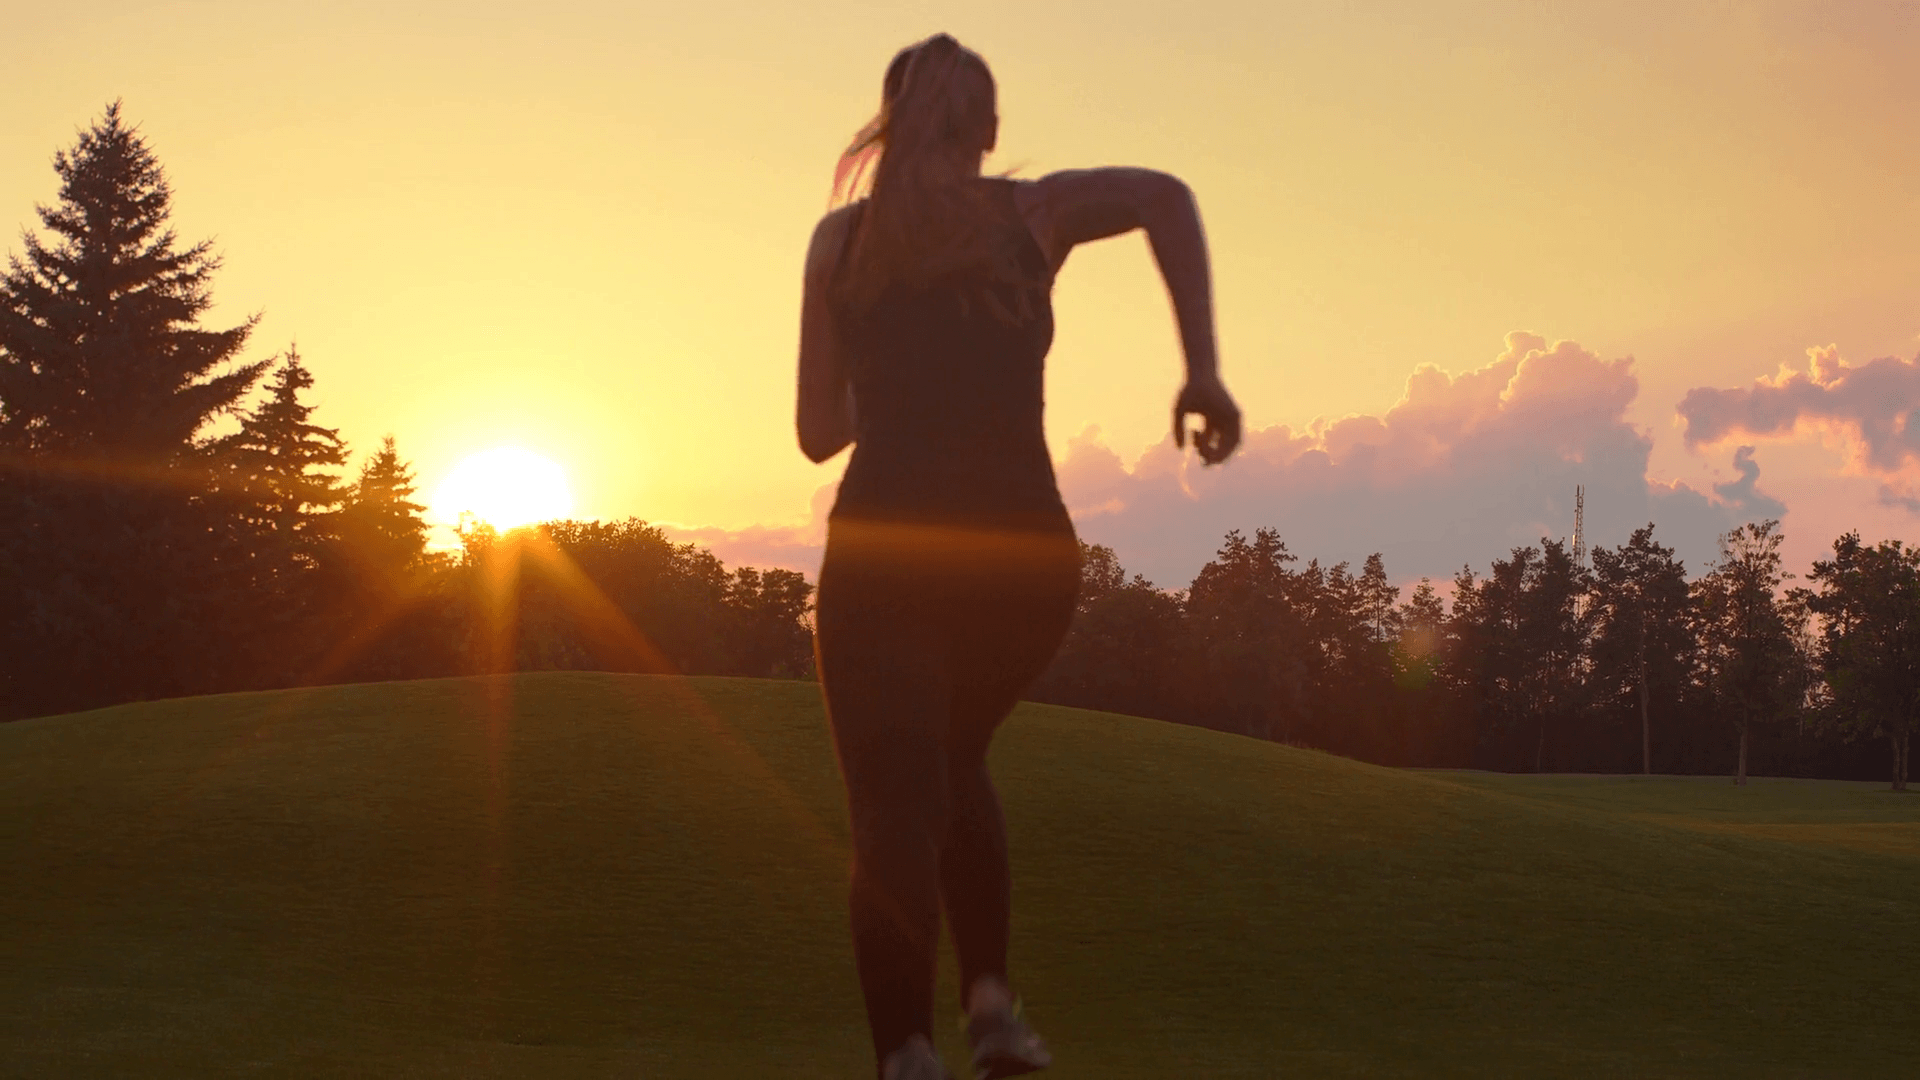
391 614
1560 624
1643 642
110 569
477 539
1377 599
1488 658
1127 651
274 485
382 530
1100 575
1868 601
277 470
1750 634
1427 695
1522 635
1422 622
621 596
1470 657
770 638
1246 610
1350 621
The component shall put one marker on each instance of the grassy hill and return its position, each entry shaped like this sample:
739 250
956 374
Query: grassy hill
598 875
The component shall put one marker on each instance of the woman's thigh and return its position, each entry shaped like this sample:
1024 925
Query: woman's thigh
887 682
1004 636
924 647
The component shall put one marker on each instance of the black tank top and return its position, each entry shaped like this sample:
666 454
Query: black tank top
948 399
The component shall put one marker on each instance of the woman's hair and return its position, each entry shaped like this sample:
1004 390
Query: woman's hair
927 217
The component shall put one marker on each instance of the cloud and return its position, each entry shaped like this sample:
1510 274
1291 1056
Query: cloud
1890 496
785 547
1741 492
1463 469
1871 407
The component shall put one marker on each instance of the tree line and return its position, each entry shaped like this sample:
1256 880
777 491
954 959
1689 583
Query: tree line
174 521
1544 663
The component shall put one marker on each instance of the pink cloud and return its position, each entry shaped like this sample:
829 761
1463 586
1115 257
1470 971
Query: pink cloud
1871 408
784 547
1462 469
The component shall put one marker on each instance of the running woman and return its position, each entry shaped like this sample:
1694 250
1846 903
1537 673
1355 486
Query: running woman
951 566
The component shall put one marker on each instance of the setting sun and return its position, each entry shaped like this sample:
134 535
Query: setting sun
505 487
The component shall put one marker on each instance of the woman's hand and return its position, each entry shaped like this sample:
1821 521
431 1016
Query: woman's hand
1079 206
1206 397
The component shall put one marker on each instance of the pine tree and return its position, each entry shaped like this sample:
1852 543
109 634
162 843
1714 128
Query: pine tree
1519 641
273 486
1422 618
101 354
1868 600
1251 611
381 527
1378 599
110 566
385 614
1643 640
275 471
1750 634
1422 621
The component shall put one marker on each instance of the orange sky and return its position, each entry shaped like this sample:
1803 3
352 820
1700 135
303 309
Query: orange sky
578 227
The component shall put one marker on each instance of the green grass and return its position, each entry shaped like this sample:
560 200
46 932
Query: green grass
597 875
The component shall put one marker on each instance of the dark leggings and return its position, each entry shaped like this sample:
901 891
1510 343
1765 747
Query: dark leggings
926 638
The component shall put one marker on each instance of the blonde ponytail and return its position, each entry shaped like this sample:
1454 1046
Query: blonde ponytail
927 217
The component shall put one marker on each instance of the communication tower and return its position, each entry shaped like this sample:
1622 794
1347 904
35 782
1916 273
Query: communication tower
1579 525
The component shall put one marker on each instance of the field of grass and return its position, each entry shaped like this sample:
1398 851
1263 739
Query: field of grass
598 875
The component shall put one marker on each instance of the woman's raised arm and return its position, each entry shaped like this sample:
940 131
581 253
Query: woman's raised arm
824 414
1077 206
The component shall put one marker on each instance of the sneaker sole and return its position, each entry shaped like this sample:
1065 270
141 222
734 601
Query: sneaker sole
1000 1067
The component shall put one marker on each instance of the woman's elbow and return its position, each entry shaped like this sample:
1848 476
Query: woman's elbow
819 444
824 420
1168 193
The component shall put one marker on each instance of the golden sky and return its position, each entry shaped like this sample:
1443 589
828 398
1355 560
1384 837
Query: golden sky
578 227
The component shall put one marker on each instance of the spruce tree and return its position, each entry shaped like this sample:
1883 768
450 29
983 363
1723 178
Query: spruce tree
101 352
381 526
1868 600
111 569
1750 635
1518 639
275 494
1644 641
275 472
390 612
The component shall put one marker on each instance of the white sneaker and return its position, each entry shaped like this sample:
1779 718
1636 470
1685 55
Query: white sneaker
1004 1045
916 1061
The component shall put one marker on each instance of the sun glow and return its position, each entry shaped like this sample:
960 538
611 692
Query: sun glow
505 487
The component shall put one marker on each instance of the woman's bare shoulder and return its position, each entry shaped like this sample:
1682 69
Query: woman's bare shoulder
1074 206
1099 183
830 237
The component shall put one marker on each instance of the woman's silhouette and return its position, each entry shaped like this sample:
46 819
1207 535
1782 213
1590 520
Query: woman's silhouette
951 566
